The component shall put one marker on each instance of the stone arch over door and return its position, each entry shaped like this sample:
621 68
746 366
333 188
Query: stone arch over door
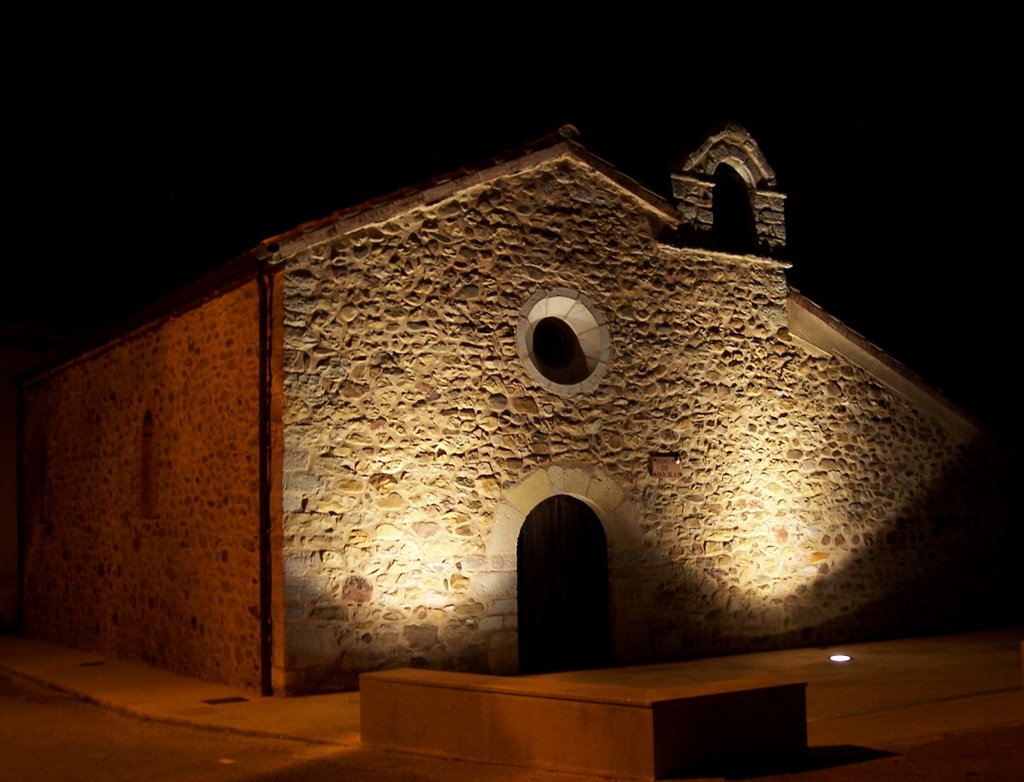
620 522
583 481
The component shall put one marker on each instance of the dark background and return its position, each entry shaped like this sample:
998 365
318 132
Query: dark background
132 172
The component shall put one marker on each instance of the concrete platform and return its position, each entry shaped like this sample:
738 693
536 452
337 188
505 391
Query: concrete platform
617 730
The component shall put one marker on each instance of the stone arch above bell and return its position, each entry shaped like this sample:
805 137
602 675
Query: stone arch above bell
694 188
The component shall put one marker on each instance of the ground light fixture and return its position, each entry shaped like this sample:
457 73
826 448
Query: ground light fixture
840 658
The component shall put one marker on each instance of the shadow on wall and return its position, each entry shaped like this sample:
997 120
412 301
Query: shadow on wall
940 564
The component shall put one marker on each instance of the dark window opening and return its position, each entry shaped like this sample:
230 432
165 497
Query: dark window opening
146 503
557 352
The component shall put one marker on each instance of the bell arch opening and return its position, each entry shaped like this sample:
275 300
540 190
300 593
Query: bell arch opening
733 225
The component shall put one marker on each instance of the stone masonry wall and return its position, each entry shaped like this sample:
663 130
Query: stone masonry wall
177 587
813 504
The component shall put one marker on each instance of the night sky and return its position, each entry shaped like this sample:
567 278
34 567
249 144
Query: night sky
128 179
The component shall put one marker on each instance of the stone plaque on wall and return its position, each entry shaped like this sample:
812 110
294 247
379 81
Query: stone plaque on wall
665 465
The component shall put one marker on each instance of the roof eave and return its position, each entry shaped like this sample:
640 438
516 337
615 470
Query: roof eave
439 189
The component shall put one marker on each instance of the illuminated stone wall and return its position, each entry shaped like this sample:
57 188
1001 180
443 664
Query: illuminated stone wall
812 492
812 503
815 504
177 587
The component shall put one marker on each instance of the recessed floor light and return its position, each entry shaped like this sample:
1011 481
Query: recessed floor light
840 658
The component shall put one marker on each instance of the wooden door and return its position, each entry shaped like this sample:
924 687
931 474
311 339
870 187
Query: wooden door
562 588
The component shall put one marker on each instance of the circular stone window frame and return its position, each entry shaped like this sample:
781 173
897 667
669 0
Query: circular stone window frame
586 322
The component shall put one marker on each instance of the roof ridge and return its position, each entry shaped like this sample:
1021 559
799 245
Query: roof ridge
565 133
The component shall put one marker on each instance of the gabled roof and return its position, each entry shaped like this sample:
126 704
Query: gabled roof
560 144
823 333
246 267
808 322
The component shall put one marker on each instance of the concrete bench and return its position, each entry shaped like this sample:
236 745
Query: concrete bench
593 728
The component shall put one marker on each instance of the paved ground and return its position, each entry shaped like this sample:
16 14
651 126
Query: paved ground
947 708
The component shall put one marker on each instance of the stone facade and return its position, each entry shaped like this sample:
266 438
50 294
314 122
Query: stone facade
810 504
175 584
815 490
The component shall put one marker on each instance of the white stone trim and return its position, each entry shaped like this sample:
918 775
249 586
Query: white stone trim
587 323
585 482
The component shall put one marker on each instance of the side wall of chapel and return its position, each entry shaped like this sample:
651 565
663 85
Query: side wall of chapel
141 495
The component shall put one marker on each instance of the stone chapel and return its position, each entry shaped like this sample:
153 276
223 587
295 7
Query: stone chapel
528 417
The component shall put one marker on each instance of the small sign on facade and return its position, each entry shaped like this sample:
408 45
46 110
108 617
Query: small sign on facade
666 465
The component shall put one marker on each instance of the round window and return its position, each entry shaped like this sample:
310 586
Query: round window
563 341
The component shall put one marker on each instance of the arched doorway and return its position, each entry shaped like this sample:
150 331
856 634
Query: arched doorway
562 577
